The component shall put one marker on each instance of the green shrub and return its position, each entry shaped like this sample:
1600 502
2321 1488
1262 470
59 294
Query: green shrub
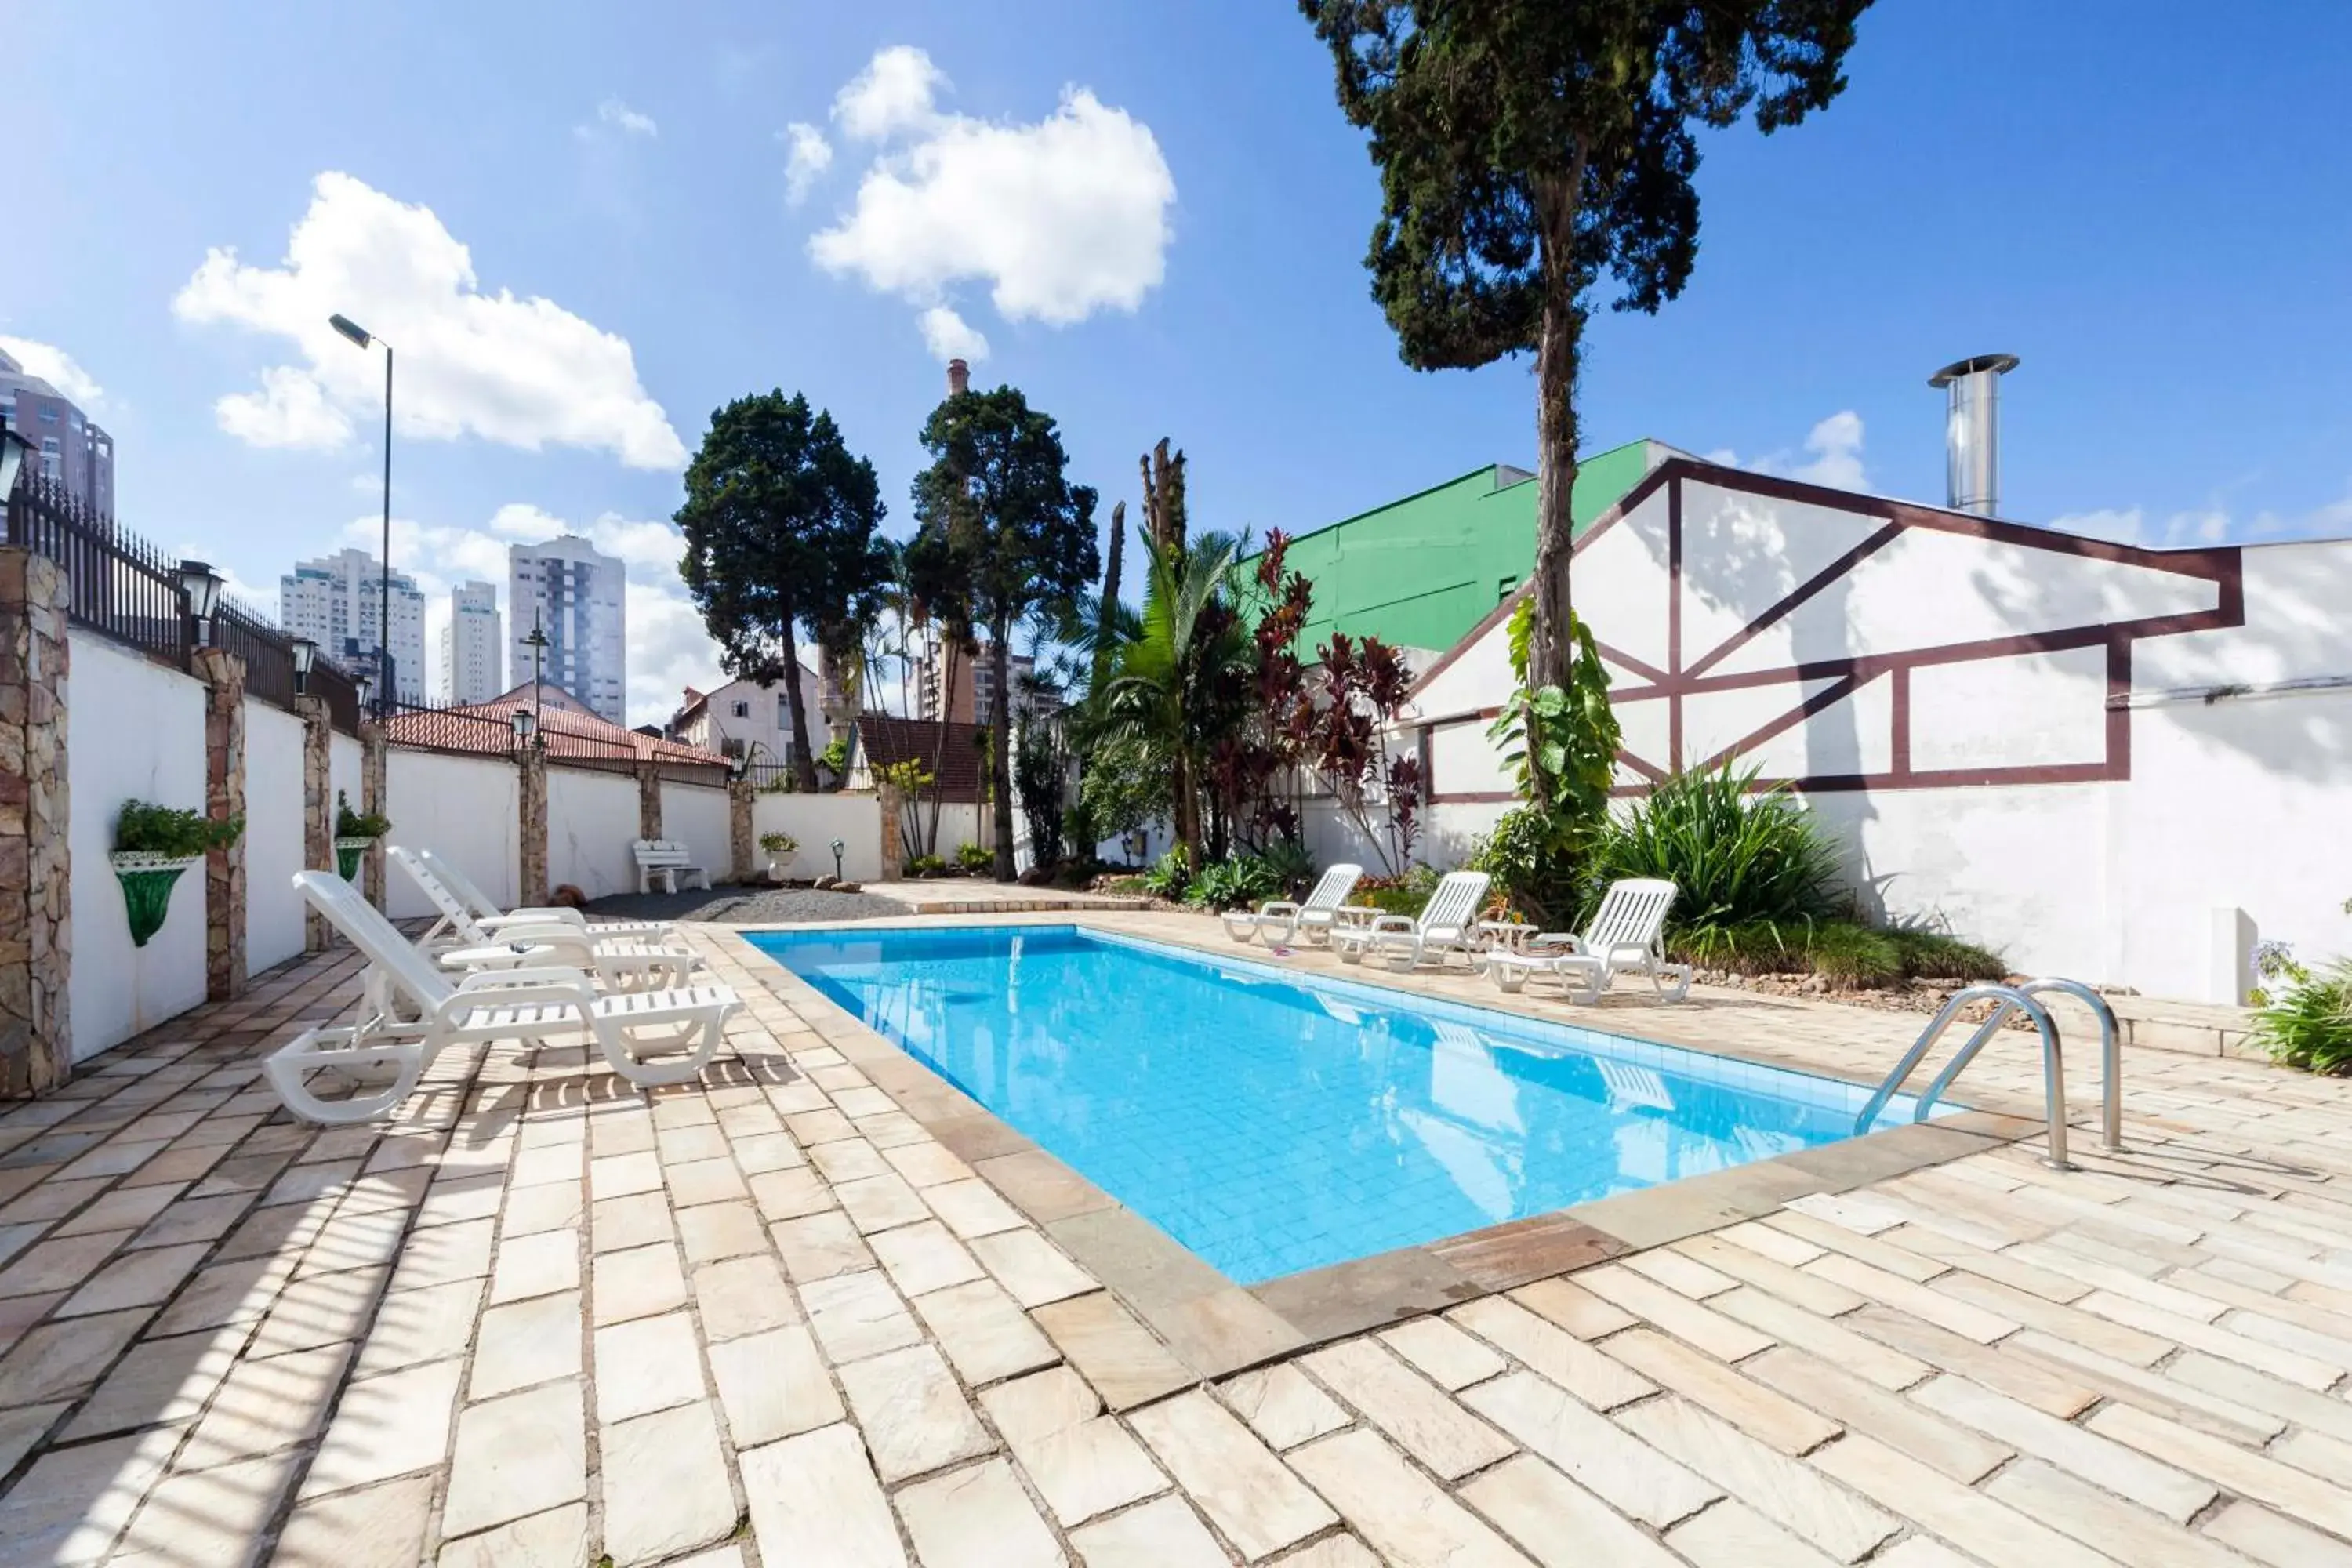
350 824
778 843
1169 875
1407 895
976 857
1736 856
2309 1025
1852 955
835 755
1533 873
1933 955
146 829
1126 887
1244 882
926 866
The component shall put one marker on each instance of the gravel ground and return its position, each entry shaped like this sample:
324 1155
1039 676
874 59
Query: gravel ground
747 906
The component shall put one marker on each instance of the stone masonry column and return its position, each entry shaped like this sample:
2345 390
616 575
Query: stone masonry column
222 674
738 829
35 870
372 747
649 816
893 847
318 809
533 767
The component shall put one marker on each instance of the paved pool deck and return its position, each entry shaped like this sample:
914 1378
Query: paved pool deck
812 1310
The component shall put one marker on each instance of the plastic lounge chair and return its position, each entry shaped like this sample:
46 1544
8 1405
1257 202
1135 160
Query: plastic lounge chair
1448 923
410 1012
1282 920
622 962
1624 937
493 919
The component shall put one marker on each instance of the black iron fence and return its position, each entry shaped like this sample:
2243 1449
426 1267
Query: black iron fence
119 583
122 586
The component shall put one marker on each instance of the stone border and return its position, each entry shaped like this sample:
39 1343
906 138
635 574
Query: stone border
1218 1327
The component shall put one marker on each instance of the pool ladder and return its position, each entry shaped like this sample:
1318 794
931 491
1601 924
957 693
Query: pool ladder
2018 999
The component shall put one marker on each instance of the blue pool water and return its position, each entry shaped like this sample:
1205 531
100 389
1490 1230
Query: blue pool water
1272 1121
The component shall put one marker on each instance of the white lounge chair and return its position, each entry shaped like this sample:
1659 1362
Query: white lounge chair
491 919
410 1011
1448 923
1283 921
622 963
1625 936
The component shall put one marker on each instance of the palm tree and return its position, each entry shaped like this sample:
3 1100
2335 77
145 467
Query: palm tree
1179 683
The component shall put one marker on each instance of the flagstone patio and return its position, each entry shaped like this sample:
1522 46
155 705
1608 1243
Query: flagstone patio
812 1311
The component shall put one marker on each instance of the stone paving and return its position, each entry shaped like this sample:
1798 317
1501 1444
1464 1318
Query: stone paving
769 1319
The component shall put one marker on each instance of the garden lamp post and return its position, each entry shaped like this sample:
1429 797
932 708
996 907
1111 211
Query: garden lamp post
202 585
837 848
305 653
537 643
362 338
526 728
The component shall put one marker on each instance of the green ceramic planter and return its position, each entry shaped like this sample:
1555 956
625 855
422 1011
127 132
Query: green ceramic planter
147 880
347 856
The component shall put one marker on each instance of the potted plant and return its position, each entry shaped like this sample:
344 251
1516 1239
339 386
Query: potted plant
152 845
354 831
780 847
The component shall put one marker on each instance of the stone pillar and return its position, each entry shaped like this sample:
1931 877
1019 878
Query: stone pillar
740 843
372 747
35 869
893 846
318 809
222 674
649 821
533 767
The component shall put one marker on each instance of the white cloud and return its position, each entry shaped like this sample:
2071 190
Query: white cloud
1831 456
950 336
1060 219
667 648
58 368
628 121
291 410
2200 526
522 372
893 93
810 156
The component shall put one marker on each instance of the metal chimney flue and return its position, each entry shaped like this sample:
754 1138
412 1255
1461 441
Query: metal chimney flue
1972 432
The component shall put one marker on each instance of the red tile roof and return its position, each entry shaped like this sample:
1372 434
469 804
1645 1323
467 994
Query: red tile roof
885 738
569 730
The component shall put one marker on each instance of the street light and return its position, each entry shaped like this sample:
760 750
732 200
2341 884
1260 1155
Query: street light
306 652
362 338
537 643
202 585
525 727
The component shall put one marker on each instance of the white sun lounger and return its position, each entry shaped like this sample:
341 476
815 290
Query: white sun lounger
1285 921
1624 937
491 919
410 1012
622 963
1448 923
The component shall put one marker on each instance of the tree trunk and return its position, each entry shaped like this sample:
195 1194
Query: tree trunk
1000 746
1551 647
948 651
803 765
1105 630
1188 810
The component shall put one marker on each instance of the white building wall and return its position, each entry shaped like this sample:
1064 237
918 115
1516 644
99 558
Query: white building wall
467 809
118 990
591 820
697 816
273 835
816 820
2081 830
472 652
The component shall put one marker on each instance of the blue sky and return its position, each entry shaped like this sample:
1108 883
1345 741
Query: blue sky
1155 220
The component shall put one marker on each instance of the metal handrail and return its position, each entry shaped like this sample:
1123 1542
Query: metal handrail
2011 998
2111 1056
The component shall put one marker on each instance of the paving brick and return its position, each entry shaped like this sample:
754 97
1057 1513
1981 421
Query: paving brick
983 1331
977 1517
374 1527
517 1455
1560 1523
263 1406
1432 1428
1408 1521
1231 1476
739 1296
527 1343
665 1485
859 1315
773 1385
387 1426
637 1283
1126 1365
1634 1478
1082 1462
816 1504
913 1416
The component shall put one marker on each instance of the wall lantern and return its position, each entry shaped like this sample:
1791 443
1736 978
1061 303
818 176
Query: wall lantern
202 585
306 653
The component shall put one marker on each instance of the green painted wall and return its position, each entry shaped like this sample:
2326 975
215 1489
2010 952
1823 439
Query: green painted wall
1420 572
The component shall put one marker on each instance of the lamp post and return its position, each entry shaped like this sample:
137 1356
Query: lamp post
537 643
202 586
13 448
305 653
526 728
364 683
361 337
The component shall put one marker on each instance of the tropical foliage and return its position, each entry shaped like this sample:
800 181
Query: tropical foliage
350 824
144 828
2307 1022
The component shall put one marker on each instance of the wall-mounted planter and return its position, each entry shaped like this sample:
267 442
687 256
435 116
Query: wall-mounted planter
147 879
347 856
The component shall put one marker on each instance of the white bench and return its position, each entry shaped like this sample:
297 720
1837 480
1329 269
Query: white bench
667 860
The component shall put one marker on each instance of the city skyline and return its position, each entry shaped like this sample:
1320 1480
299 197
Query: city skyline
337 601
471 648
572 593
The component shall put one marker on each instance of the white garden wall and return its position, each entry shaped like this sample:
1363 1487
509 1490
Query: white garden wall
816 820
273 835
2073 751
134 731
591 820
466 808
697 816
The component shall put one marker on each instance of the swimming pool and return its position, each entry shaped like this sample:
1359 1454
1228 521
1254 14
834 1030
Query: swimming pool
1273 1120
